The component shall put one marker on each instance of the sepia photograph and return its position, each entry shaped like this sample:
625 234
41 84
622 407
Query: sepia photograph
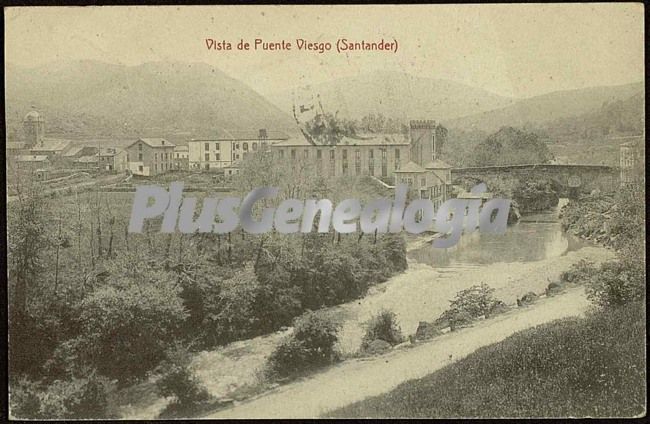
325 211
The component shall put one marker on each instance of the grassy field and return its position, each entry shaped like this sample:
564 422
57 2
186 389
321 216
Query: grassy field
579 367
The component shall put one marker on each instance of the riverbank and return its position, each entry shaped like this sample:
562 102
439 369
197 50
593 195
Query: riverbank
419 294
316 395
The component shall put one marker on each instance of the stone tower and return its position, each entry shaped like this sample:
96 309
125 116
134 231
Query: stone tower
422 135
34 127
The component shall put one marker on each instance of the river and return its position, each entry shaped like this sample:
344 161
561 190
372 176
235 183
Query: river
526 258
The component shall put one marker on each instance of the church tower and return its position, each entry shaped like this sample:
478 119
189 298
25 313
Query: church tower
34 127
422 135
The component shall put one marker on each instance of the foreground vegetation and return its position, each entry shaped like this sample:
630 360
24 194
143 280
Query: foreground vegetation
94 308
593 366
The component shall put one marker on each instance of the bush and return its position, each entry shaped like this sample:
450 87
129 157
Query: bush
23 399
617 283
76 398
311 345
126 331
179 382
579 272
383 326
470 304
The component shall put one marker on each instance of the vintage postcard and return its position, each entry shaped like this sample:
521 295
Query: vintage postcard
346 211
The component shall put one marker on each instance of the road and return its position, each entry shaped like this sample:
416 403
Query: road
355 380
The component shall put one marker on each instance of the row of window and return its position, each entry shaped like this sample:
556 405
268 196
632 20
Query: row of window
244 146
344 153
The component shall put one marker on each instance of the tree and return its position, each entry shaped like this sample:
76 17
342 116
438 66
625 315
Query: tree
126 331
511 146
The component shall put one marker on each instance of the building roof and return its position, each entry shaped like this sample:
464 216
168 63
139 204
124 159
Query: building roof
410 167
298 141
110 151
52 145
15 145
73 151
154 142
87 159
437 164
374 140
243 135
32 116
32 158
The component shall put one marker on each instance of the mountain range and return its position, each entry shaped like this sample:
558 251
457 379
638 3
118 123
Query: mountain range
182 100
89 98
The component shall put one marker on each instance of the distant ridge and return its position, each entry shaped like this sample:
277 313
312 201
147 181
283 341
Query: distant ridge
96 99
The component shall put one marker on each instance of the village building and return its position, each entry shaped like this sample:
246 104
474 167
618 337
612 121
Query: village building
15 148
113 159
181 158
36 142
86 162
227 147
150 156
432 181
375 155
632 161
77 151
32 162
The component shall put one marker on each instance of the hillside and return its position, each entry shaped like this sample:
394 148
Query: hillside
395 94
89 98
540 110
574 367
622 117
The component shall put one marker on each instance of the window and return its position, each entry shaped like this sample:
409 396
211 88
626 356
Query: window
237 156
423 182
319 154
216 146
305 153
140 148
207 166
293 154
207 146
237 146
396 154
217 156
245 145
178 155
383 154
207 157
254 146
155 166
281 152
165 156
155 156
140 156
140 168
345 153
371 154
357 162
331 154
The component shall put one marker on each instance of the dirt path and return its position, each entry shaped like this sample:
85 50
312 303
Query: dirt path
355 380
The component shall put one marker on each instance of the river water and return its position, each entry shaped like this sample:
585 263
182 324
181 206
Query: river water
530 255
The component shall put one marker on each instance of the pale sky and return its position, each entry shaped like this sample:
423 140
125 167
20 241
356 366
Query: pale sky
513 50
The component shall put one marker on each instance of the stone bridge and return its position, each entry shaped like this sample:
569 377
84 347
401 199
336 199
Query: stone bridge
569 179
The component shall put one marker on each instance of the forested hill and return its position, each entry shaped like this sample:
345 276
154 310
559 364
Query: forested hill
90 98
